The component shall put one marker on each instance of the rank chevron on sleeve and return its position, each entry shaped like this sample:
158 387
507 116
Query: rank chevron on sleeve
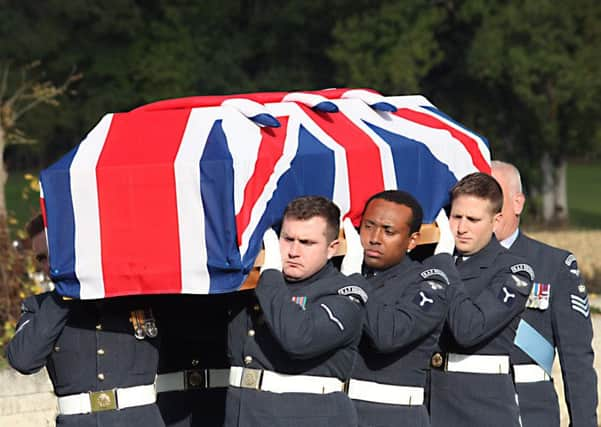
581 305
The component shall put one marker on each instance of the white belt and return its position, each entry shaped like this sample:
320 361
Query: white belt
477 363
385 393
192 379
274 382
529 374
106 400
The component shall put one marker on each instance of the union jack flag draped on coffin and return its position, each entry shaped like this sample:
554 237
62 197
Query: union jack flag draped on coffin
174 197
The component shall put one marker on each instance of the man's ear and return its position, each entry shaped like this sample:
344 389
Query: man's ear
518 203
413 239
333 248
496 221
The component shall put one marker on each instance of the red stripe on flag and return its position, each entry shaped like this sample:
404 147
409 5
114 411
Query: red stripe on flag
468 142
361 154
271 149
137 203
43 211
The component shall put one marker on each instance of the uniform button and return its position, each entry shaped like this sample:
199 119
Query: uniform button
257 307
195 362
100 352
99 327
101 376
251 332
437 360
248 360
57 348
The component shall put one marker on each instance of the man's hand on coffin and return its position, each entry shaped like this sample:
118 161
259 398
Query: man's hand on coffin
352 261
446 241
272 258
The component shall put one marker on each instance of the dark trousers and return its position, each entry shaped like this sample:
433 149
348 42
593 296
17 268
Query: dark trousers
253 408
538 404
461 399
193 408
139 416
383 415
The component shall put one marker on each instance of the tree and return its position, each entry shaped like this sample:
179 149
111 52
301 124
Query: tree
390 48
545 54
19 95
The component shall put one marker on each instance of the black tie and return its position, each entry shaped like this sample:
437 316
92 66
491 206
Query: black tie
458 260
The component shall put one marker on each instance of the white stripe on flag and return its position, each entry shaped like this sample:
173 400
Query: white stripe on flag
190 212
357 111
482 147
84 193
441 143
243 139
341 195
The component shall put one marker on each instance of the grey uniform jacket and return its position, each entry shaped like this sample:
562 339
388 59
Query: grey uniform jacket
88 346
558 309
485 304
310 327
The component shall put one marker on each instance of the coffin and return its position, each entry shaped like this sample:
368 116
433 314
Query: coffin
174 196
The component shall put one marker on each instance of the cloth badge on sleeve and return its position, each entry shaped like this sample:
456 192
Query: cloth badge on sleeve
302 301
539 296
435 286
506 296
423 300
523 267
355 292
435 272
580 305
571 259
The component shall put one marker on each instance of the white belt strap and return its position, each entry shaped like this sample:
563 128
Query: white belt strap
478 364
274 382
106 400
529 374
193 379
385 393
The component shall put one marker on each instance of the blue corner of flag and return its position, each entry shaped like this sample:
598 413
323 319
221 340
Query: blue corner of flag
266 120
326 107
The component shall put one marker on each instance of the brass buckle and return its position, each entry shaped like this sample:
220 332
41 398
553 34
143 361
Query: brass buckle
251 378
195 379
105 400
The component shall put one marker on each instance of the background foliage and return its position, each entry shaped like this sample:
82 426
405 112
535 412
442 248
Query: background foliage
523 73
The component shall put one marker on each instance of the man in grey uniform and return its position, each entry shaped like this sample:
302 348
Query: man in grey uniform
557 316
292 350
405 313
471 383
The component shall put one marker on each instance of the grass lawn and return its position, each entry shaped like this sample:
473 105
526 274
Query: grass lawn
584 195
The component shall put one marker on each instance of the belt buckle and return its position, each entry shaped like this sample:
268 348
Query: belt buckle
195 379
105 400
251 378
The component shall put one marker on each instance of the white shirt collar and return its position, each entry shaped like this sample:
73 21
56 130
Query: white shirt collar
510 240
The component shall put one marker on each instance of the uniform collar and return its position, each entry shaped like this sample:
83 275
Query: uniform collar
508 242
396 269
324 272
486 256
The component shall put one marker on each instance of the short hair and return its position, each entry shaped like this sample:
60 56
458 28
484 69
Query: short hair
482 186
307 207
514 174
35 226
405 199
